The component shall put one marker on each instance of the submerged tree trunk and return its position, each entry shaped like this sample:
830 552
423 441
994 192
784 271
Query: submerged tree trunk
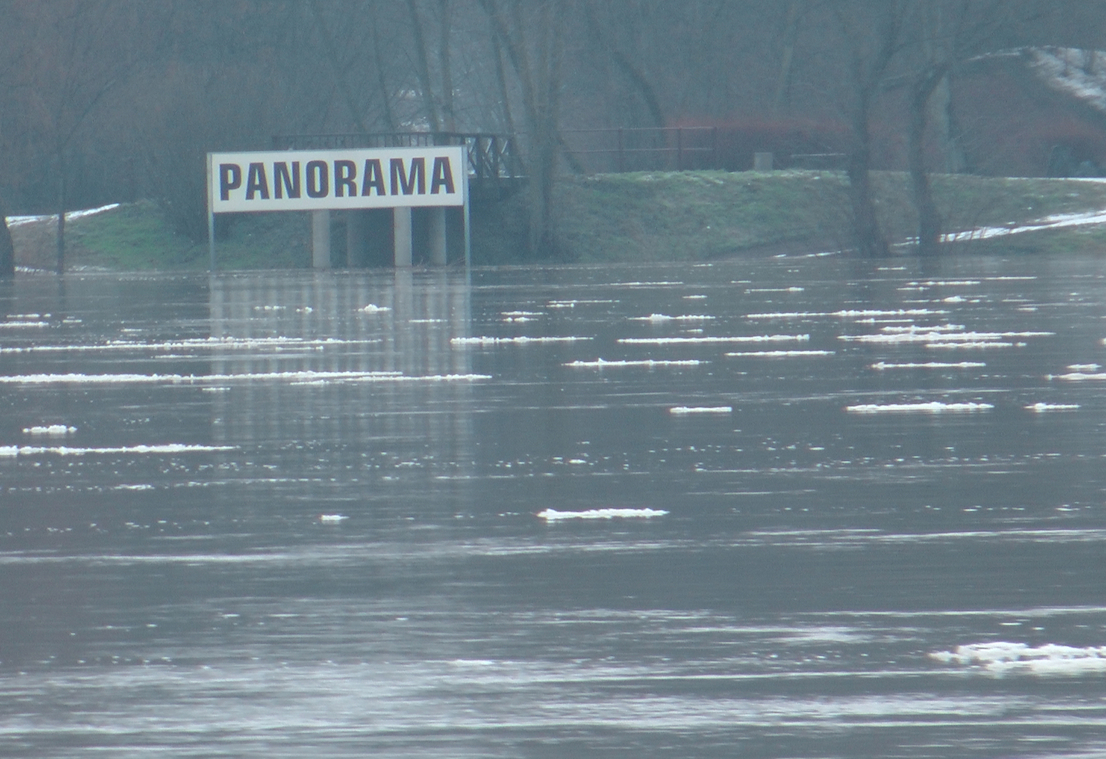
870 241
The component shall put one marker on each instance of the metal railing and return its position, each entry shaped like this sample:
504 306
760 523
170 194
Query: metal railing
642 149
490 156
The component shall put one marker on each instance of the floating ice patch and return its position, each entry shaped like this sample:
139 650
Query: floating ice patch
372 308
107 379
945 345
1041 408
206 343
775 290
883 366
846 314
1003 658
332 518
683 410
552 515
600 363
1083 367
23 325
53 430
1079 376
703 340
945 283
891 338
658 318
574 303
12 451
513 340
779 354
932 407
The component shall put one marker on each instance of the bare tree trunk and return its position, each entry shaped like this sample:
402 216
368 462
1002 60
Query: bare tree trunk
929 220
7 249
448 120
61 220
866 228
331 52
790 35
422 68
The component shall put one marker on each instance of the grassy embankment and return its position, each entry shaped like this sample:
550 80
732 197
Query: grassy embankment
623 217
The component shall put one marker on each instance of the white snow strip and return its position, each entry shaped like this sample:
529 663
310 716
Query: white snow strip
682 410
1041 408
552 515
601 363
1056 221
932 407
15 221
12 451
701 340
53 430
1049 659
513 340
883 366
779 354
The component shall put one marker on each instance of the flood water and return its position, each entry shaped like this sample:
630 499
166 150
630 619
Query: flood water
787 507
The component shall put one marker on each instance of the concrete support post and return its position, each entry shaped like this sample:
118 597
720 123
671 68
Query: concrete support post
401 237
355 238
438 251
320 239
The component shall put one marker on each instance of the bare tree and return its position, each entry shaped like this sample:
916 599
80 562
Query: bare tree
532 35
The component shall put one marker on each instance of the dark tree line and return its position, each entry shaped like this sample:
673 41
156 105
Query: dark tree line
117 100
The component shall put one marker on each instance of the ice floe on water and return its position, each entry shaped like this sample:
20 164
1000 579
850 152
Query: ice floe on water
930 407
301 377
11 451
51 430
601 363
884 365
707 340
779 354
683 410
1002 657
203 343
332 518
372 308
552 515
943 337
658 318
846 314
1041 408
483 341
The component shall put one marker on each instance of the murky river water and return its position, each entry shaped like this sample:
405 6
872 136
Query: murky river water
794 507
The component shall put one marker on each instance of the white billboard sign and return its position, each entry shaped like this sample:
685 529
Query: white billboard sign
307 180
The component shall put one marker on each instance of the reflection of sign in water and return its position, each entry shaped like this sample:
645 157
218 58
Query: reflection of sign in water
307 180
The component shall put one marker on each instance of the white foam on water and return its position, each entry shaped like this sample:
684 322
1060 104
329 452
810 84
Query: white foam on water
11 451
601 363
703 340
1040 408
883 366
1003 657
552 515
846 314
514 340
932 407
657 318
681 410
53 430
780 354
